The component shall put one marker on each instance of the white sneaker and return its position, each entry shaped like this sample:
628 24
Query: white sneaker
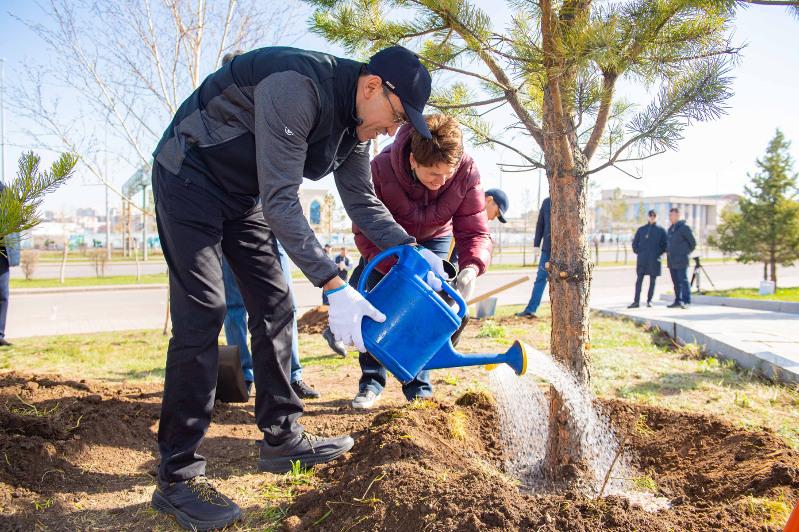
365 400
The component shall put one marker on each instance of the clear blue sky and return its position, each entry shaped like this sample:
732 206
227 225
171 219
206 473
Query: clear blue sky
713 158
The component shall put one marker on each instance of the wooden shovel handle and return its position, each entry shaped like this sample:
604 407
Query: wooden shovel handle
498 290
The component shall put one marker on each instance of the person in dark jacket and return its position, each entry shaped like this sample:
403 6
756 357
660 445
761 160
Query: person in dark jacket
648 245
543 239
433 190
225 179
680 244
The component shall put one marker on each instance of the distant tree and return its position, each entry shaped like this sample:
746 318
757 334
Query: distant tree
765 227
126 66
20 200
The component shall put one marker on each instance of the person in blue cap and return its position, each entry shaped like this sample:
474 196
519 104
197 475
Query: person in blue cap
496 204
226 177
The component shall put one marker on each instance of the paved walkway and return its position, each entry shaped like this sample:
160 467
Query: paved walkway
761 340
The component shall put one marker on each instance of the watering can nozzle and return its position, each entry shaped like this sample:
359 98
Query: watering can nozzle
515 357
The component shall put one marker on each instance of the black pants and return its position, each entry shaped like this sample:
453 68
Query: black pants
639 282
197 223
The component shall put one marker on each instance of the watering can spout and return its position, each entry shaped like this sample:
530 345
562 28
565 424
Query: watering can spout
515 357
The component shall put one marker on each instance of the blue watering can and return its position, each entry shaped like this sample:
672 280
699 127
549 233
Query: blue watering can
419 324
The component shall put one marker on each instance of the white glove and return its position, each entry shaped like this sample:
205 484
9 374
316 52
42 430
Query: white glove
437 264
465 282
347 309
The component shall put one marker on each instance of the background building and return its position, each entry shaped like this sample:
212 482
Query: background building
619 212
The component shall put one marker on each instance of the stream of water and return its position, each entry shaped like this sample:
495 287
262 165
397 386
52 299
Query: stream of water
524 421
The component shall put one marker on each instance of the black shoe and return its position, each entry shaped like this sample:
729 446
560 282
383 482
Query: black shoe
196 504
649 304
530 315
338 347
676 304
306 448
633 305
304 391
5 343
248 384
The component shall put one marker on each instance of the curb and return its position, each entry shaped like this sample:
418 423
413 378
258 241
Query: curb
788 307
78 289
774 367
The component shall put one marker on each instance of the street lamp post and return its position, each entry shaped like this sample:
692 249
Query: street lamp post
2 122
107 208
144 221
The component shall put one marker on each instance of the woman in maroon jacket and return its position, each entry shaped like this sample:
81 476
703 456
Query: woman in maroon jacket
433 191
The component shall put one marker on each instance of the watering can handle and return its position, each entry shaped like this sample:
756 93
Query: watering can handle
399 251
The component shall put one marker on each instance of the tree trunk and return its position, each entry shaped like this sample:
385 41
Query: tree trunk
64 260
765 270
773 263
569 275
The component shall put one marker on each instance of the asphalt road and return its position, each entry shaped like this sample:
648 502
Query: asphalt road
89 311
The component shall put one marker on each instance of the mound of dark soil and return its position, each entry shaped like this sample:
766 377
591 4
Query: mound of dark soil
435 466
81 455
313 321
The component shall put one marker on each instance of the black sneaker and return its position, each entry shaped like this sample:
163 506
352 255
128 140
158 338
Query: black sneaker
649 304
338 347
196 504
530 315
306 448
676 304
5 343
304 391
633 305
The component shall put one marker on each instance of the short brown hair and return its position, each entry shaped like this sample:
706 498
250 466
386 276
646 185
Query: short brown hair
446 146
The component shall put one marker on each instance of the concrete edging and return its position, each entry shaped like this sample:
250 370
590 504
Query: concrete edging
769 364
788 307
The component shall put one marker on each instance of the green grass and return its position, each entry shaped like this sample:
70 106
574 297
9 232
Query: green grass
634 364
490 329
157 278
627 362
782 294
115 356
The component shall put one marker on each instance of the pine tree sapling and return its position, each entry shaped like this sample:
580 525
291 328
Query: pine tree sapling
20 200
554 69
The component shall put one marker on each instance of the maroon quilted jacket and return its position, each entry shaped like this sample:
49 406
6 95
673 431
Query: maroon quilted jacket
458 207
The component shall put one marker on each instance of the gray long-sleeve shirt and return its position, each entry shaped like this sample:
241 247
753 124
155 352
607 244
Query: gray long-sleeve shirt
286 108
261 123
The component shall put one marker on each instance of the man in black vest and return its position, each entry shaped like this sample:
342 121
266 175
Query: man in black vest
648 245
225 179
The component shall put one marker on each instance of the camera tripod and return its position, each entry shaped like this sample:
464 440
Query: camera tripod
696 277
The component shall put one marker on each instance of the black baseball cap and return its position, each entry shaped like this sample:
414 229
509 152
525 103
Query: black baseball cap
652 212
406 76
501 199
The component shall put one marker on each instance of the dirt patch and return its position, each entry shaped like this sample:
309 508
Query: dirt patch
81 455
415 469
313 321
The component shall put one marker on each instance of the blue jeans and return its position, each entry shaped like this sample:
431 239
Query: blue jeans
236 319
373 374
5 279
539 285
682 290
